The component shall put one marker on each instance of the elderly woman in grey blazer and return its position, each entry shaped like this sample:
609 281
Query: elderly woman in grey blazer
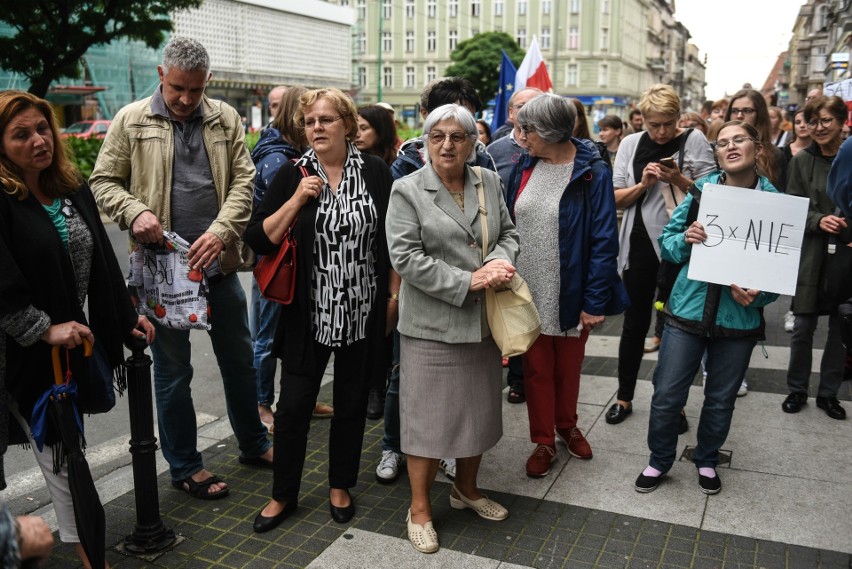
448 358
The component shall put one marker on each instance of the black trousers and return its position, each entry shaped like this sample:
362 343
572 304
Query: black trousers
640 280
293 420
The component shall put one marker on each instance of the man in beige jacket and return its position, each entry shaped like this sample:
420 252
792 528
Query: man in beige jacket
178 161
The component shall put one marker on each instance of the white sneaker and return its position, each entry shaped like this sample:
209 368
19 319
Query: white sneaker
388 469
743 390
448 465
789 321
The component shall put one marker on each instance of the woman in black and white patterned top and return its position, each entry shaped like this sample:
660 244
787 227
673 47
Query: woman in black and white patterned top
335 199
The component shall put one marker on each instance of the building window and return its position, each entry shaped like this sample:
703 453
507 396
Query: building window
603 73
498 7
571 75
409 77
362 77
574 38
431 8
387 41
344 2
821 20
545 38
574 7
604 6
522 7
522 38
362 9
361 43
454 39
387 9
409 41
431 73
474 32
431 41
545 7
409 9
475 8
453 8
820 59
604 39
387 77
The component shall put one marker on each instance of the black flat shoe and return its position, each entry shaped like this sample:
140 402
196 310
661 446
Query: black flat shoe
263 524
344 514
709 485
375 405
794 402
645 484
832 407
617 413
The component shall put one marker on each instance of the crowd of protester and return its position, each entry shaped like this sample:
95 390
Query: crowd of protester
398 242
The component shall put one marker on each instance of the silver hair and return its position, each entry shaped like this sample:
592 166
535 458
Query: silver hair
459 114
185 54
551 116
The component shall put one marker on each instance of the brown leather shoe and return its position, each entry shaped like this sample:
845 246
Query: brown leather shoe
538 464
323 411
577 444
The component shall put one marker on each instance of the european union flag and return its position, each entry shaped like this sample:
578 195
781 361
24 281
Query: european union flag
504 91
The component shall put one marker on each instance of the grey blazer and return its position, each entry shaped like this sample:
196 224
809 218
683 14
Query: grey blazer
435 247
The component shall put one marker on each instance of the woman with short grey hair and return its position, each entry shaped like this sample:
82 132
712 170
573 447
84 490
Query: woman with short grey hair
450 374
562 202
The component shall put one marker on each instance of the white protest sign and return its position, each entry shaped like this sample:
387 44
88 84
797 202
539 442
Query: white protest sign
754 239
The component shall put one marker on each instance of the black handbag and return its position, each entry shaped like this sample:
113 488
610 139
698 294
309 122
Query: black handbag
95 390
836 278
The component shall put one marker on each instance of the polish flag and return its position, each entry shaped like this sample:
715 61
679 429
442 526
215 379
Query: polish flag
533 71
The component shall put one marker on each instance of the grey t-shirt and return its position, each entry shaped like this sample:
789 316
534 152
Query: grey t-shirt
194 202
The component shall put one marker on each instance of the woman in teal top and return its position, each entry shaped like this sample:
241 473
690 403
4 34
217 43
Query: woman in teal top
724 321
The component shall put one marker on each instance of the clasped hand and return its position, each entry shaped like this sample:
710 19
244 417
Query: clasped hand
493 274
695 233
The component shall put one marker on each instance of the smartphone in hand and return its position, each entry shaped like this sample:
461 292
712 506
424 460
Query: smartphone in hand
667 162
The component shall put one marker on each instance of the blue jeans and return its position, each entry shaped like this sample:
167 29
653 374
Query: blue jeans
680 356
264 321
231 341
390 441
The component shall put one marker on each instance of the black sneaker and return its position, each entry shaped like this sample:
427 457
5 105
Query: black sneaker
645 484
710 485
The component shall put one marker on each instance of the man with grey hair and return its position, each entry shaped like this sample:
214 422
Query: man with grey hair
178 161
516 103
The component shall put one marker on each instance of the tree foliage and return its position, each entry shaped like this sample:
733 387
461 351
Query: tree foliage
478 60
49 37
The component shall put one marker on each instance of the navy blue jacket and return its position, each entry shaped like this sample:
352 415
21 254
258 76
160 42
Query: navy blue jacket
588 236
269 154
412 157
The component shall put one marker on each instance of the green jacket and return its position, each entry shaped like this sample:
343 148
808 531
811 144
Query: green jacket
692 303
133 172
806 177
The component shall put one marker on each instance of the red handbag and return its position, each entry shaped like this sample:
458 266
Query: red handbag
276 274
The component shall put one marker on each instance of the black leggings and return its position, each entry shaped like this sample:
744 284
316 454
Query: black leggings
640 280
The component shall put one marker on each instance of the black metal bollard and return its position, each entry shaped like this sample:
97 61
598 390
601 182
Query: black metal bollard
149 535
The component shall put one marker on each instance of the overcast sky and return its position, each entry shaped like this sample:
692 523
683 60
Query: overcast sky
741 38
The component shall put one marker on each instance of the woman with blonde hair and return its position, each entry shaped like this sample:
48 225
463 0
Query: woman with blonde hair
779 128
333 200
649 183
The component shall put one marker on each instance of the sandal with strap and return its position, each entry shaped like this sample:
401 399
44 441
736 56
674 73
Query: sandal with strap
201 490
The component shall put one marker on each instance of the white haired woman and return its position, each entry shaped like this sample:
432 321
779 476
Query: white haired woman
448 358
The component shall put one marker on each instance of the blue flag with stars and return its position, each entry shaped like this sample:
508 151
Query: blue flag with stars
504 91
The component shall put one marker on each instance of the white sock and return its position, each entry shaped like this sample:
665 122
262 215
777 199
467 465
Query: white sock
651 471
707 471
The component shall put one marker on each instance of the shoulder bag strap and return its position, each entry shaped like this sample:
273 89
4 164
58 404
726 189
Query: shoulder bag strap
483 213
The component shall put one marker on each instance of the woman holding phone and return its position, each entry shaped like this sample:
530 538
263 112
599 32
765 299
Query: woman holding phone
649 183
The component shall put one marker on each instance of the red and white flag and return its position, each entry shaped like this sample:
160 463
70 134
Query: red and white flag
533 71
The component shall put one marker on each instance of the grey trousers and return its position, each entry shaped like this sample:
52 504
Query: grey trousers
801 356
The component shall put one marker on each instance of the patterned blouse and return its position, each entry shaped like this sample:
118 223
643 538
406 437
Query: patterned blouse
343 281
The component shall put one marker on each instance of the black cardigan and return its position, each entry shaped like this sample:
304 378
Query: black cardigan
37 271
294 343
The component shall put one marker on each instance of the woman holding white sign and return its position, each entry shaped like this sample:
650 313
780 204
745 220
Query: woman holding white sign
808 176
724 321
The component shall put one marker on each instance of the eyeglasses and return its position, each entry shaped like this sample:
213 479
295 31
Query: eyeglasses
438 137
738 140
824 122
527 129
747 112
323 121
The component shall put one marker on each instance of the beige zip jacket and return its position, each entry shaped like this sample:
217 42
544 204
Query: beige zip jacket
133 172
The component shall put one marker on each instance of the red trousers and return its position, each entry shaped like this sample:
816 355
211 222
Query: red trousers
552 384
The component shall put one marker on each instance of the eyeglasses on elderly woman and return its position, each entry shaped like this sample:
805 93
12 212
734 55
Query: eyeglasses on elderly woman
456 137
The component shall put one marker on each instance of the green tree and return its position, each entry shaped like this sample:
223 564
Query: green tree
478 60
48 38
